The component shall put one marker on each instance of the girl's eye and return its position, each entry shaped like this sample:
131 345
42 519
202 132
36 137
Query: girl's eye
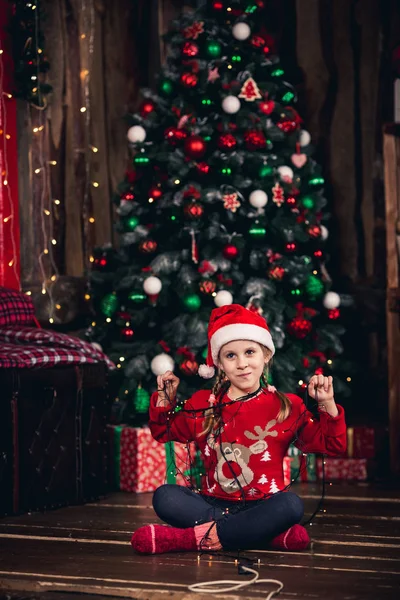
230 355
250 351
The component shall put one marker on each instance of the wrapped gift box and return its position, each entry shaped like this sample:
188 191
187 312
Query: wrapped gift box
286 471
303 467
343 469
145 464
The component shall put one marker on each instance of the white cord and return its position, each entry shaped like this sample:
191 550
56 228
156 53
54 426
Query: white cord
206 587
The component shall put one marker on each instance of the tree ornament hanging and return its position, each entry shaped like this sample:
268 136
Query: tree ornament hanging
190 49
174 135
223 298
227 141
231 201
207 286
147 108
333 314
130 223
230 251
231 105
203 168
314 287
109 304
250 91
257 230
304 138
299 160
276 273
128 196
286 173
324 233
141 400
258 199
254 139
241 31
161 363
267 107
299 327
192 302
189 367
137 297
190 80
314 231
194 30
278 195
127 334
152 285
213 75
148 246
331 300
195 147
194 210
213 49
291 247
136 134
155 193
166 87
289 123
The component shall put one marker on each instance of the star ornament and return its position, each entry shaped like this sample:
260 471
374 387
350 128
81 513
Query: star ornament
213 75
231 202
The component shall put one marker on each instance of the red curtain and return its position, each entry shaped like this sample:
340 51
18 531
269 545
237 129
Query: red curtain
9 214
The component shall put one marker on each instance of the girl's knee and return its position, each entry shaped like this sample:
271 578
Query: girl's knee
162 497
294 506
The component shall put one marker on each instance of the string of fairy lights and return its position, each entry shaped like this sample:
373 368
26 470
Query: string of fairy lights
40 163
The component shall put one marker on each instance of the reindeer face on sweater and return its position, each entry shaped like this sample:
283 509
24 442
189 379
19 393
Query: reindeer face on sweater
232 471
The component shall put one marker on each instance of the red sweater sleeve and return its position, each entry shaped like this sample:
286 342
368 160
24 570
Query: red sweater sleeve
183 426
328 435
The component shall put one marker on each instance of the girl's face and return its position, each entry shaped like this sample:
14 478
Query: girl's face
243 363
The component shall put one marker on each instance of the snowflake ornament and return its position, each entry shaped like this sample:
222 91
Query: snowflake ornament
231 202
193 31
278 195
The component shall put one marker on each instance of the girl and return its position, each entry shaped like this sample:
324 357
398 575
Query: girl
243 431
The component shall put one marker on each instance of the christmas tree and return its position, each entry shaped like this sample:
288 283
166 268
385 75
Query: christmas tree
222 203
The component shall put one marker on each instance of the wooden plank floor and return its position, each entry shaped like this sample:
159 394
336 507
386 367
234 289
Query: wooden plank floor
355 552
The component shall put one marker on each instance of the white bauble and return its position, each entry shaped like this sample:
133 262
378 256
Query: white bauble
324 233
241 31
161 363
285 172
152 285
258 198
304 138
135 134
231 104
331 300
223 298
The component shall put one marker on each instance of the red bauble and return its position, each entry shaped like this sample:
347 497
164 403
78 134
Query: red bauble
194 210
334 313
207 286
195 146
100 262
175 135
290 122
276 273
127 333
128 196
314 231
190 49
299 327
227 141
257 41
291 200
189 79
189 367
203 168
318 254
148 246
254 139
267 107
155 192
230 251
147 108
291 247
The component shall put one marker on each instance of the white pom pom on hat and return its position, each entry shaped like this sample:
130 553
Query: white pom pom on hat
228 324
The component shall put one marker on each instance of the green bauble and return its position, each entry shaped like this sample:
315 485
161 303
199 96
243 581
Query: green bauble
109 305
130 223
141 400
265 171
314 287
204 353
308 202
137 297
213 49
192 302
166 87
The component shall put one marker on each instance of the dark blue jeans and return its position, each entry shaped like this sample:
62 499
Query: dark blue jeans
244 526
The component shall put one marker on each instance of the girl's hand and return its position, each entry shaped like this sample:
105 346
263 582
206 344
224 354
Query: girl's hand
167 386
321 389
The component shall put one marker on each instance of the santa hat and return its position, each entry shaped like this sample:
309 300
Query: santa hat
230 323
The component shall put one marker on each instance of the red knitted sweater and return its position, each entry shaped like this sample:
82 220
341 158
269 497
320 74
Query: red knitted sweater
246 457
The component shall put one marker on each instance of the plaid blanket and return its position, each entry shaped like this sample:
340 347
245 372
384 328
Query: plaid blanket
29 347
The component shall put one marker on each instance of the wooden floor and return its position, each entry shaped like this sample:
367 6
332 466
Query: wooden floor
355 553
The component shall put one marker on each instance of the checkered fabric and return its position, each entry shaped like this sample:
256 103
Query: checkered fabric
15 308
29 348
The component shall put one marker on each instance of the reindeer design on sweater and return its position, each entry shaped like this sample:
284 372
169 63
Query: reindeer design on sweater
230 457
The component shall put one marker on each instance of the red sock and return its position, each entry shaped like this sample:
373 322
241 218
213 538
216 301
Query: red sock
156 539
295 538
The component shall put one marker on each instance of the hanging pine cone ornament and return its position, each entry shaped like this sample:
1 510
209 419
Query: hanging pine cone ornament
193 210
227 141
207 286
148 246
276 273
254 139
141 400
189 80
299 327
189 367
190 49
314 231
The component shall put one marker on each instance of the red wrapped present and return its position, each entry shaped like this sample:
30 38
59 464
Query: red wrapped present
363 442
145 464
303 467
286 471
343 469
